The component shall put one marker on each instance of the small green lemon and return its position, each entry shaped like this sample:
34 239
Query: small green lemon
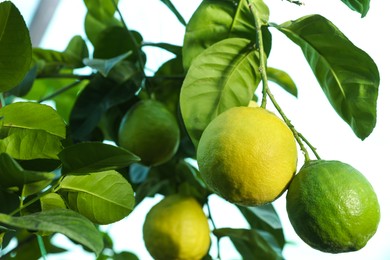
177 228
150 131
332 206
247 155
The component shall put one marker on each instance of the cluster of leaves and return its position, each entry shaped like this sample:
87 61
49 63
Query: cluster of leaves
58 172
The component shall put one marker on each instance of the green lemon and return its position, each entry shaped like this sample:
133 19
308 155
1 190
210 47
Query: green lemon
150 131
177 228
332 206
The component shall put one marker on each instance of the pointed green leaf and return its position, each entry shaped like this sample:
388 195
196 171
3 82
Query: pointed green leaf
15 46
347 75
11 174
282 79
94 156
105 66
223 76
78 49
216 20
103 197
66 222
360 6
251 243
31 131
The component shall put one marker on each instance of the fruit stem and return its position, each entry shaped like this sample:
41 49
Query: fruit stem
312 148
298 137
263 57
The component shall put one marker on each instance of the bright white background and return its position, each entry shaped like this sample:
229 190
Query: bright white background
311 113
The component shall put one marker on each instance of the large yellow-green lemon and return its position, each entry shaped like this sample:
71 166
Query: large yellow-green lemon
247 155
150 131
176 228
332 206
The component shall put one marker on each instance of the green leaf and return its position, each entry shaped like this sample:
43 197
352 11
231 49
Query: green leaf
29 131
95 99
50 61
94 26
171 7
52 201
351 88
166 83
360 6
94 156
67 222
282 79
250 243
103 197
266 219
33 116
15 46
78 49
223 76
105 66
101 8
216 20
125 256
115 41
12 175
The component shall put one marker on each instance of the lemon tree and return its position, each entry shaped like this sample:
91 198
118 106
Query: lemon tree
198 126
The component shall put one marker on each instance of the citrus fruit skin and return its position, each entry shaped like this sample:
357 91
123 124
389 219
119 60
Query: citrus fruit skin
332 207
150 131
176 228
247 155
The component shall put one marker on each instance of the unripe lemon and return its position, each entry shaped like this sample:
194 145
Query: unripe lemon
177 228
247 155
150 131
332 206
